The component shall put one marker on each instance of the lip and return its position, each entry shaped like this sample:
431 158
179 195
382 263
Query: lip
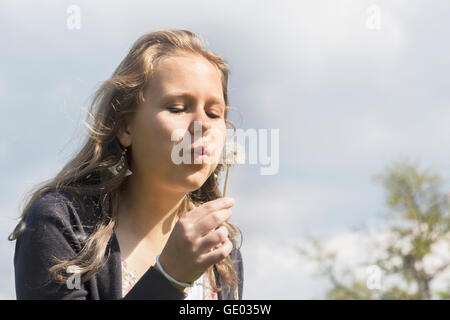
201 150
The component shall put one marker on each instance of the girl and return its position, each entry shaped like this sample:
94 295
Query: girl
123 219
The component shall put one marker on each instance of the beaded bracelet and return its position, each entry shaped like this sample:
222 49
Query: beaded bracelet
183 284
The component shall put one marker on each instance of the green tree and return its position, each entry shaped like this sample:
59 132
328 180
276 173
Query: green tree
418 220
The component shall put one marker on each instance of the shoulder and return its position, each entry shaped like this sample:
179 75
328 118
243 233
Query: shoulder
63 205
50 228
51 206
236 258
227 293
57 211
48 235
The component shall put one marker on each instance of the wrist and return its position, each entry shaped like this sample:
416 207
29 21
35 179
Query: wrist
181 288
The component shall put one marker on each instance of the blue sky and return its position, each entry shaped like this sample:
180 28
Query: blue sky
348 100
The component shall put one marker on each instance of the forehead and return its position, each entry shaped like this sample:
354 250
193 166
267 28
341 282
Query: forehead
186 73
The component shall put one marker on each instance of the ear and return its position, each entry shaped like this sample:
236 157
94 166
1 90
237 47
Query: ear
124 132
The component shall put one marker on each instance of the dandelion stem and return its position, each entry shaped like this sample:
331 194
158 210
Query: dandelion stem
226 179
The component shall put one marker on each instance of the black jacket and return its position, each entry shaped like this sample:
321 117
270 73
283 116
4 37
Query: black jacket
54 228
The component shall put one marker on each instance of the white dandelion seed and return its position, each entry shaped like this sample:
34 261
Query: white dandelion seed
234 154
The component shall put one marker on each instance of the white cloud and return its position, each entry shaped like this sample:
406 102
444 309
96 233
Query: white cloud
271 267
356 250
273 270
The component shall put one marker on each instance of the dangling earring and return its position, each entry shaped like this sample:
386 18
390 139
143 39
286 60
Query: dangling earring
115 169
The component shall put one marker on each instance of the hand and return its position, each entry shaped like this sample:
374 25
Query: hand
191 247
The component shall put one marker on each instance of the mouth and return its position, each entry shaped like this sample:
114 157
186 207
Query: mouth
200 150
199 155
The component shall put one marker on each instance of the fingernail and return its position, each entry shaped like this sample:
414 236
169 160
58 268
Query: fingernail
229 200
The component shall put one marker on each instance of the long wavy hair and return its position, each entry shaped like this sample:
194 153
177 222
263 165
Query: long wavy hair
87 174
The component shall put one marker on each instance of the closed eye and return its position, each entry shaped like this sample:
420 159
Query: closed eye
175 110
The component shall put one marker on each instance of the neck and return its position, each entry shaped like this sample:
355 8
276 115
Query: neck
147 210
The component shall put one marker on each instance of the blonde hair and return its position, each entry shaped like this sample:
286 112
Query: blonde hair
87 173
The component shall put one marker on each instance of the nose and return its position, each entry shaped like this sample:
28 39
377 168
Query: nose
199 124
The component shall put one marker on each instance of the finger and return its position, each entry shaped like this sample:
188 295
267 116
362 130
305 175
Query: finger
212 221
212 239
216 255
208 207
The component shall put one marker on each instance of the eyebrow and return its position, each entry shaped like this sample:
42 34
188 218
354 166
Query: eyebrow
189 96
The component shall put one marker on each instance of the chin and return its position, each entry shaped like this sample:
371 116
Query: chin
195 179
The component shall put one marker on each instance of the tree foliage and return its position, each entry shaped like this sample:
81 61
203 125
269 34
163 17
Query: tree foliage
417 221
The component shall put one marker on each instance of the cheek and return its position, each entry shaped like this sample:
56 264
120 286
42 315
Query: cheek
216 139
163 127
152 136
220 133
170 132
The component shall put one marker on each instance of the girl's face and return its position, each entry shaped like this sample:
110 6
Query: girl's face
184 89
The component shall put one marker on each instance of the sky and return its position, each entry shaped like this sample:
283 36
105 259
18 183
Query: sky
351 86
